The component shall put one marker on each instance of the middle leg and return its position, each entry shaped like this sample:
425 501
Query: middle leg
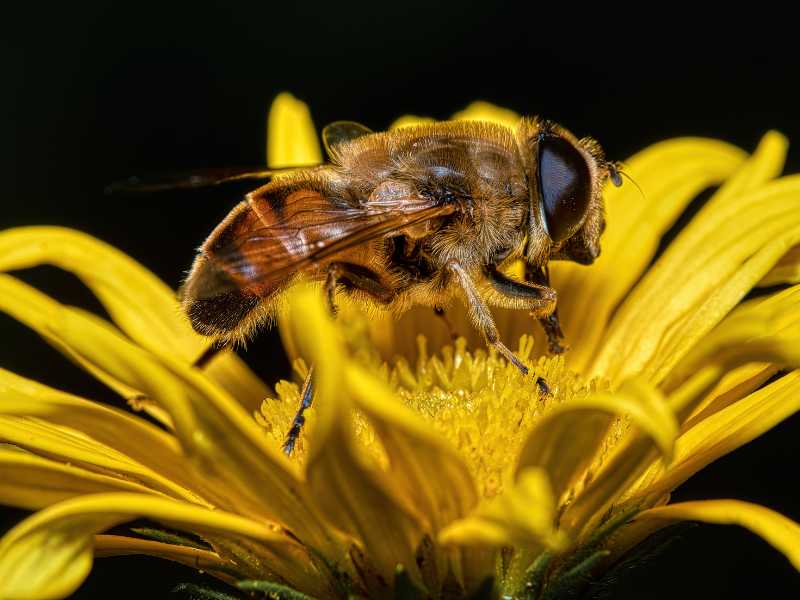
539 299
517 295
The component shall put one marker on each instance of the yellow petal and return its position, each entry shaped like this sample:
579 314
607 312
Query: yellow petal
765 330
73 448
717 259
49 554
486 111
291 135
32 482
125 367
410 121
114 428
782 533
203 560
415 452
566 440
354 497
670 174
733 386
138 301
723 432
224 440
423 468
523 516
786 270
630 456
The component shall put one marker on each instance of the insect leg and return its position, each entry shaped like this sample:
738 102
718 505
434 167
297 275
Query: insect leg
355 277
447 323
550 323
306 398
209 354
331 279
510 293
517 294
481 316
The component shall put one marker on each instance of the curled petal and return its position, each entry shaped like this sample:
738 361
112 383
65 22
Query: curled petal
723 432
671 173
523 516
68 446
128 435
415 451
213 429
786 270
49 554
782 533
763 330
734 385
565 441
630 456
32 482
706 271
139 302
291 135
355 498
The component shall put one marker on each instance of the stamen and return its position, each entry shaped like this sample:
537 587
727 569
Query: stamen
478 401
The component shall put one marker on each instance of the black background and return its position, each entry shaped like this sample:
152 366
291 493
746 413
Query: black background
92 94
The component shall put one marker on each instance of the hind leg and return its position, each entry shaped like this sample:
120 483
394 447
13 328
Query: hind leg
354 277
306 397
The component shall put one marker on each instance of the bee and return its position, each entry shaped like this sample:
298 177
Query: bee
417 216
421 215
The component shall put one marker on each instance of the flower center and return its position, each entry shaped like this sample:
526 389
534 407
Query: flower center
476 400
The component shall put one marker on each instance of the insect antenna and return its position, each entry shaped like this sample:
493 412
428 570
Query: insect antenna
616 173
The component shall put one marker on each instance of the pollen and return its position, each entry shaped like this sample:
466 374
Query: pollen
480 404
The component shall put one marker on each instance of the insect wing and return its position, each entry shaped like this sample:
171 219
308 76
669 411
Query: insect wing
340 132
197 178
308 231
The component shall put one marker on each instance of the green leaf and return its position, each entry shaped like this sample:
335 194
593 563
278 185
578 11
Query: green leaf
274 591
404 588
534 576
196 592
569 584
169 538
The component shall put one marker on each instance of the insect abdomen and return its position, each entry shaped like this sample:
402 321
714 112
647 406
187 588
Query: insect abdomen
218 302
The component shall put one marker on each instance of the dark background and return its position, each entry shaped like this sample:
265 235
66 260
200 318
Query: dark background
92 94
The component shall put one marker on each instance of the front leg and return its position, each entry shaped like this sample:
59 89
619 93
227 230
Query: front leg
481 316
550 323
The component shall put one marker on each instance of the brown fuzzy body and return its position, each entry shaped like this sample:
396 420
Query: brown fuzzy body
413 216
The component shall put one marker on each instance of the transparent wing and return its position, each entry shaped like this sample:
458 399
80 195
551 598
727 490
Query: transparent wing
278 236
197 178
339 132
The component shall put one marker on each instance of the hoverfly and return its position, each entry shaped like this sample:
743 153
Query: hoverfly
419 215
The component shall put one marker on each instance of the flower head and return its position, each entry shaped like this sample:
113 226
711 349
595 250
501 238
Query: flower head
427 464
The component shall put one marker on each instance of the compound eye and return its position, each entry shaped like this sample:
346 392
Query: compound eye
564 187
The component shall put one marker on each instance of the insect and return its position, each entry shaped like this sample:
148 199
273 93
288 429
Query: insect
423 215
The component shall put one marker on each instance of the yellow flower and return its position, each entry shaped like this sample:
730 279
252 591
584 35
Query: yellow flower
426 465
